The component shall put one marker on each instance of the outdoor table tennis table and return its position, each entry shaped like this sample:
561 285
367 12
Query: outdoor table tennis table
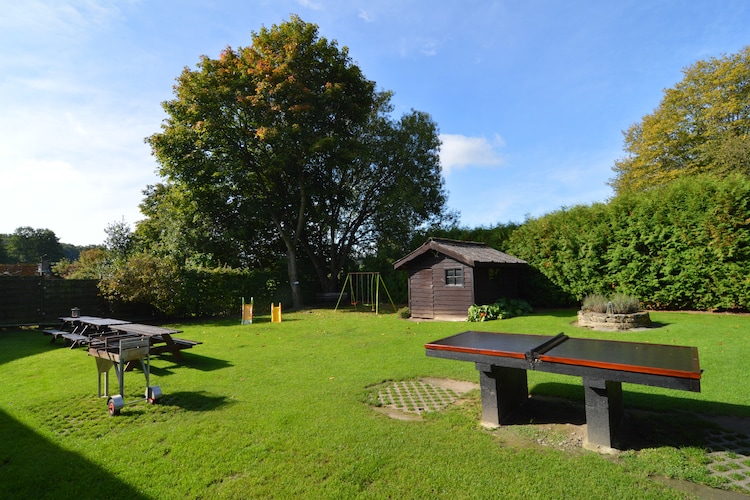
503 359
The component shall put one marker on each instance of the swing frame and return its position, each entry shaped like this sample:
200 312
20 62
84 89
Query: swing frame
364 288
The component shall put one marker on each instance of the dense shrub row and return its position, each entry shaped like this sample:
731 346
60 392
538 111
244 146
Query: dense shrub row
682 246
188 290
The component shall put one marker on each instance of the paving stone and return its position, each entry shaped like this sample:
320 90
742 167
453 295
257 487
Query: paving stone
416 396
729 457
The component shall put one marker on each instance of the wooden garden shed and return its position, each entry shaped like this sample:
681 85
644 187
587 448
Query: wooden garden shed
446 277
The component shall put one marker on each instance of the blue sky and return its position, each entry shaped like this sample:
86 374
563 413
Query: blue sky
531 97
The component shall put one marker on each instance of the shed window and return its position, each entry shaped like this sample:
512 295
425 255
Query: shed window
454 277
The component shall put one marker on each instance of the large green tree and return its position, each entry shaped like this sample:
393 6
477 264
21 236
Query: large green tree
702 125
28 245
175 227
289 134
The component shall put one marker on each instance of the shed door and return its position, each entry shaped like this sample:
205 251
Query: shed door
421 300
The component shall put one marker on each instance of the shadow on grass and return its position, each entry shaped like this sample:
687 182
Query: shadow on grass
656 324
539 409
190 360
18 344
651 402
649 420
33 467
194 401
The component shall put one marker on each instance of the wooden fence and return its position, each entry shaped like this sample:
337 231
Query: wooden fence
41 300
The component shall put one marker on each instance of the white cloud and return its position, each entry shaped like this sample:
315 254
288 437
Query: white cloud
310 5
429 47
460 151
66 20
74 170
422 45
365 16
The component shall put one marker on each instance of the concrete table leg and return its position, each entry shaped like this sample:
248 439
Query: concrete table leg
503 390
603 411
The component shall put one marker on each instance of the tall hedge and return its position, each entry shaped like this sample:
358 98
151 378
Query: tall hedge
189 291
682 246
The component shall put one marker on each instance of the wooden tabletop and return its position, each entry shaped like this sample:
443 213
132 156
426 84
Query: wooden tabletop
141 329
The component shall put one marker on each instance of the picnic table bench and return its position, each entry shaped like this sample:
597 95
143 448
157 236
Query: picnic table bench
503 360
75 339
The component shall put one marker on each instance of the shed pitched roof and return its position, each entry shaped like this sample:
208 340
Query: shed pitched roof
467 252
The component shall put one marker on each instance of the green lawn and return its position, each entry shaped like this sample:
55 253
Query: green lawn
279 410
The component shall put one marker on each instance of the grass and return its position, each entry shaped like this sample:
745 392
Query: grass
280 410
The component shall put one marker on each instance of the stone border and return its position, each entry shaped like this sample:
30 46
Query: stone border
613 321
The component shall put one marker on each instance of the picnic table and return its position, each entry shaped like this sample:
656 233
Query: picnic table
161 338
503 360
78 330
91 325
85 329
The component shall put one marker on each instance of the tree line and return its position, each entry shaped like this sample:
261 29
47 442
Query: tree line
27 245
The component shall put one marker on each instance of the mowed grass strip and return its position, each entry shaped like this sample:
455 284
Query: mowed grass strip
280 410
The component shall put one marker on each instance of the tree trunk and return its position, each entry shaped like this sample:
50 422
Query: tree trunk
291 264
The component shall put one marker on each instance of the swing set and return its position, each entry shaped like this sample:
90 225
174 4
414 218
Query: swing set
364 289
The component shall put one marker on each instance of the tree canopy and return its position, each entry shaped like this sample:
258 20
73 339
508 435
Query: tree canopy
702 125
28 245
289 134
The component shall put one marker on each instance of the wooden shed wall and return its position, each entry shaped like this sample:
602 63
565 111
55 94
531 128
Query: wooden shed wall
420 292
430 297
452 301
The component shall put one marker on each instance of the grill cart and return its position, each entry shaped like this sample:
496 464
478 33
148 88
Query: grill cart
122 352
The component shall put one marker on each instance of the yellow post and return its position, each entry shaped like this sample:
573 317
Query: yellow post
275 313
247 311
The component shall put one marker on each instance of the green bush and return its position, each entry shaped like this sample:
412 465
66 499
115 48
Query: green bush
502 309
187 291
683 246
